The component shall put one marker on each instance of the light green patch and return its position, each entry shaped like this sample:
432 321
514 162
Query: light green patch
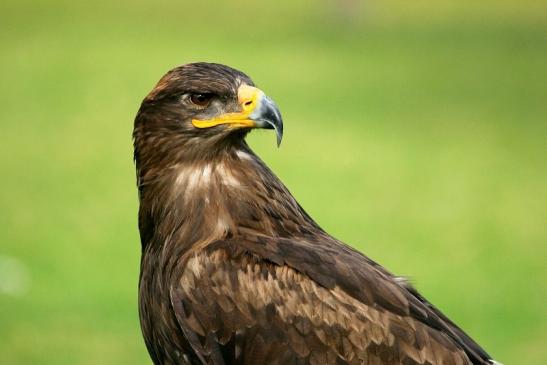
415 131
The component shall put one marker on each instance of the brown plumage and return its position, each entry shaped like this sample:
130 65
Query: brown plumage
234 271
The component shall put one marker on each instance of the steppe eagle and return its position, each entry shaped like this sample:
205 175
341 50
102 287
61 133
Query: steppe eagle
234 271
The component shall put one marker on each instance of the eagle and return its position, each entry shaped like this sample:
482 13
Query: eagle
233 269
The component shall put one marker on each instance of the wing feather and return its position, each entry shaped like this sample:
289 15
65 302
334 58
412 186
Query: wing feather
248 303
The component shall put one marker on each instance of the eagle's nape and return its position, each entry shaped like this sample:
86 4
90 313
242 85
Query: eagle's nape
234 271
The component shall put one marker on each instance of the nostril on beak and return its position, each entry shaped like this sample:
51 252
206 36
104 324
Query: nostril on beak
248 104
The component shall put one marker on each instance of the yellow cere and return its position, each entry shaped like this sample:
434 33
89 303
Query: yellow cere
248 97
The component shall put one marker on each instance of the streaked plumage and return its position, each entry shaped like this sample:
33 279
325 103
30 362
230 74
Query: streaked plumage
234 271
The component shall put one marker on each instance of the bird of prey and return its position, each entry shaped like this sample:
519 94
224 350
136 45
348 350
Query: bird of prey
234 271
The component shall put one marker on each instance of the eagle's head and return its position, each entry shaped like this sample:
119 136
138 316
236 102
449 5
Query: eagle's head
193 164
200 109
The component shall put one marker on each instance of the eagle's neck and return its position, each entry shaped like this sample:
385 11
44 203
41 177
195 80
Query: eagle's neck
233 194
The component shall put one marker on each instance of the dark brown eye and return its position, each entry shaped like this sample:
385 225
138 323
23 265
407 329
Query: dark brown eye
201 99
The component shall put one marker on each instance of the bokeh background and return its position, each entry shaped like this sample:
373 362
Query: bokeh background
415 131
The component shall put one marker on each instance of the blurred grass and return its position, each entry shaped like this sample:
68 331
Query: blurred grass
415 132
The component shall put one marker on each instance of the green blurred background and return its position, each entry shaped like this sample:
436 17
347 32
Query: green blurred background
415 131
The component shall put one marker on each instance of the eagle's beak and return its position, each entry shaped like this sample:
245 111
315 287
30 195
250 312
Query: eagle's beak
257 111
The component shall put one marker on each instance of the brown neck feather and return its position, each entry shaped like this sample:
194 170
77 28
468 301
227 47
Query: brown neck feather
230 194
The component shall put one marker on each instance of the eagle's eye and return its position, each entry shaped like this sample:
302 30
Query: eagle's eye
201 100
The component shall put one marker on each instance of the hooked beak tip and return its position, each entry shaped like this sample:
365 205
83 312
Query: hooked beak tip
268 116
279 134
